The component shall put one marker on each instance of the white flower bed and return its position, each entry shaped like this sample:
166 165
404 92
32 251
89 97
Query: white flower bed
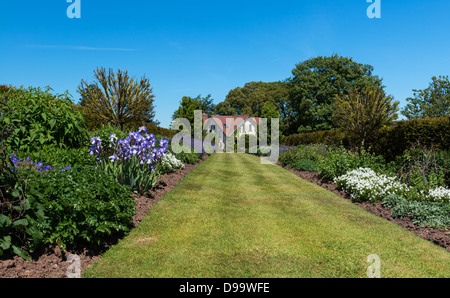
365 185
170 162
440 194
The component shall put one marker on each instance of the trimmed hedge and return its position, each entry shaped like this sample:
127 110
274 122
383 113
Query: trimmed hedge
391 141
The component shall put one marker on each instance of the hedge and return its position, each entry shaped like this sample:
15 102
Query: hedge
391 141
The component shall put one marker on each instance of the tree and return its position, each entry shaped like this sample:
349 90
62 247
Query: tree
252 98
433 101
188 105
313 88
363 113
117 99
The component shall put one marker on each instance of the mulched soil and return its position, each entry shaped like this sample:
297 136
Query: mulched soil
440 237
51 262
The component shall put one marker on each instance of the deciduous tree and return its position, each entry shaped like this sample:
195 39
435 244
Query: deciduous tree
433 101
363 113
117 98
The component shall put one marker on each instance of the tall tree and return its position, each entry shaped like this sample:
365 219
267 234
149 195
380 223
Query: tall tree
252 98
433 101
363 113
314 85
189 104
257 99
117 98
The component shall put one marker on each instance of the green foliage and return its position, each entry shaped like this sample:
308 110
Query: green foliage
41 118
313 153
361 114
390 141
425 214
61 157
81 206
402 135
433 101
339 161
314 85
327 137
105 132
19 216
188 158
116 98
306 165
189 104
423 168
258 99
392 200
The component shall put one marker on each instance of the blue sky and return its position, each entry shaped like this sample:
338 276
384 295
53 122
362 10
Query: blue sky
187 48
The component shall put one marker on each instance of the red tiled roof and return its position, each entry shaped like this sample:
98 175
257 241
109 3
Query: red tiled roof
230 123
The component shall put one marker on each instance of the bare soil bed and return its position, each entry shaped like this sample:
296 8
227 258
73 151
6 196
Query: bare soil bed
51 262
440 237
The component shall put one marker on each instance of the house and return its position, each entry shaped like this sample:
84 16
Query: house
227 126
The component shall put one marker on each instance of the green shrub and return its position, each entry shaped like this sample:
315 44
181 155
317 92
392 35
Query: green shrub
339 161
423 168
42 118
327 137
105 132
19 216
392 200
424 214
389 142
80 206
305 165
313 153
188 158
61 157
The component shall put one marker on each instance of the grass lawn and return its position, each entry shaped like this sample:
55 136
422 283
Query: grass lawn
232 217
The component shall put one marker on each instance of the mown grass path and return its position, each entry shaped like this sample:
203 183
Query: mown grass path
232 217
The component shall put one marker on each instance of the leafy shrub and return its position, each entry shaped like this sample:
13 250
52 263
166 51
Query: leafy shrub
339 161
19 216
327 137
188 158
42 118
392 200
305 165
423 168
424 214
80 206
61 157
313 153
106 131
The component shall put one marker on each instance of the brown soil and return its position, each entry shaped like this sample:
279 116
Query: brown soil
51 262
440 237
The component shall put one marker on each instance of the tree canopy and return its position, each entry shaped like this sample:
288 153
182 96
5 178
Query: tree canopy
433 101
116 98
314 85
363 113
252 99
189 104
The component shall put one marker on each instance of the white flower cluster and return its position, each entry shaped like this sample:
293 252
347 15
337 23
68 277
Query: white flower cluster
170 162
440 194
365 185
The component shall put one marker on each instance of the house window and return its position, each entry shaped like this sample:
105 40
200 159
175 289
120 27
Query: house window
212 128
250 128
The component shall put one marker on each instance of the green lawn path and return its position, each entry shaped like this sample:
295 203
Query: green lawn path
233 217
